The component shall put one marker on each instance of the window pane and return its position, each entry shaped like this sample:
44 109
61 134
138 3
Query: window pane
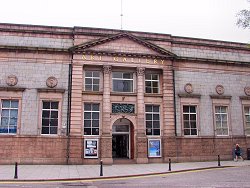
127 85
54 114
4 121
96 81
12 129
156 108
149 131
186 109
187 132
127 75
95 123
95 107
156 117
53 122
88 81
217 117
156 131
95 115
147 76
192 116
148 124
149 117
5 113
155 84
6 103
14 104
154 76
13 113
96 74
149 108
54 105
88 87
53 130
46 114
13 121
186 124
193 124
45 122
95 131
223 109
46 105
224 117
87 123
156 124
193 131
117 74
87 115
4 129
148 84
185 117
88 73
87 107
87 131
192 109
45 130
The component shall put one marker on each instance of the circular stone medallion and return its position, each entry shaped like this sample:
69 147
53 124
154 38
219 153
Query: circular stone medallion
247 91
11 80
219 89
188 88
51 82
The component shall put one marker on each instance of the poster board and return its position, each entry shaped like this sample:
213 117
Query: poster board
154 147
91 148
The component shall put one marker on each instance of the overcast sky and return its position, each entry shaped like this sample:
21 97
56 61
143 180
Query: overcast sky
209 19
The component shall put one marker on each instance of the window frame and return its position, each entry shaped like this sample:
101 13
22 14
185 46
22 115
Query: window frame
189 120
221 124
91 127
246 128
50 112
126 79
152 120
92 78
151 81
18 114
51 97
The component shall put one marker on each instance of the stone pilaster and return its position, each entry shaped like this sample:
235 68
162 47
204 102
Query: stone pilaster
141 139
106 135
168 102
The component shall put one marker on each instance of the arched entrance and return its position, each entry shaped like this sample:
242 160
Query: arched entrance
123 139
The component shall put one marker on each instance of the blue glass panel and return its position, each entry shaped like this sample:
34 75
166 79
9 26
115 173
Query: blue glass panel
14 104
5 113
3 129
6 103
4 121
13 121
13 113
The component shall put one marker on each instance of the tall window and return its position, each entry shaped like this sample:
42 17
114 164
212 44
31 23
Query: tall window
221 120
152 83
247 119
92 80
152 120
9 116
122 81
189 120
50 117
91 119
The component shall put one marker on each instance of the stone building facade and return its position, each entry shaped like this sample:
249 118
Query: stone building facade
80 95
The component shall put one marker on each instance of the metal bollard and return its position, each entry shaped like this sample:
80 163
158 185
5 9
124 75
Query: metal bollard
218 160
169 165
101 168
15 176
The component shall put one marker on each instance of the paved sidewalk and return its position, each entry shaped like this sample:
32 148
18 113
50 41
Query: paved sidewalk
56 172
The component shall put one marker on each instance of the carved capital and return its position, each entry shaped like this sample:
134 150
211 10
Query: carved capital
107 69
140 71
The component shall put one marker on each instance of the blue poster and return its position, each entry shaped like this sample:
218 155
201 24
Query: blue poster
154 148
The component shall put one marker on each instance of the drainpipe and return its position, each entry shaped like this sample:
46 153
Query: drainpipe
174 102
69 109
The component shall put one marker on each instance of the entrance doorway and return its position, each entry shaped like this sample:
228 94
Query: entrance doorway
122 139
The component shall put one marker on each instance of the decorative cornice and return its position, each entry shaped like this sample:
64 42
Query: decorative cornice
187 95
12 89
50 90
220 96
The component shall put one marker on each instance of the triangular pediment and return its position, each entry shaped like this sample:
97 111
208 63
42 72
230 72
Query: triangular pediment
122 43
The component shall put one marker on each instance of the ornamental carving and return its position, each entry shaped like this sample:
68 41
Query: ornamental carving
140 71
11 80
51 82
247 91
219 89
188 88
107 69
123 108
